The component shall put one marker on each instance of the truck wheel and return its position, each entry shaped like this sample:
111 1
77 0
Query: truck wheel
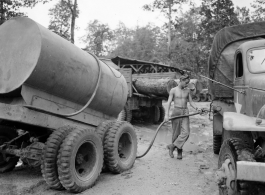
120 147
80 160
156 114
101 130
128 114
209 97
217 142
122 115
196 98
162 114
7 134
203 98
232 150
49 157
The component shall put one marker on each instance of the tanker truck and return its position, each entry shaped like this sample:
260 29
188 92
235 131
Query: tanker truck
237 85
58 108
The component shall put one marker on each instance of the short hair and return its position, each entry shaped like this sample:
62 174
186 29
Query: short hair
184 77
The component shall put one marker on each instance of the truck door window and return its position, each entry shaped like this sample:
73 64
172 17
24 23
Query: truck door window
239 65
256 60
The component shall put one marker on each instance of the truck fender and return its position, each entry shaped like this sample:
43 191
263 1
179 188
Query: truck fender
233 121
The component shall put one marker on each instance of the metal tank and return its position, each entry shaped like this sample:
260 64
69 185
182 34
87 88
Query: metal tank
34 56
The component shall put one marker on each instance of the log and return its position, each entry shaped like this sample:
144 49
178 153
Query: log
157 87
161 87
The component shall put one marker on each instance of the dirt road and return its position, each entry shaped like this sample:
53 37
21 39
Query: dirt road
154 174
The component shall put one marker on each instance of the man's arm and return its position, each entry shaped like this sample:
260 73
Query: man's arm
191 102
170 98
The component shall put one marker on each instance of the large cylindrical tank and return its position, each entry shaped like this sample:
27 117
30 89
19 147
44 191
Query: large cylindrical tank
32 55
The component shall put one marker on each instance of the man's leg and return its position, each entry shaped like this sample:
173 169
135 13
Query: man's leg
184 135
176 124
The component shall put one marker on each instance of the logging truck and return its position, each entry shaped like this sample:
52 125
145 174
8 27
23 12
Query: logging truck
148 85
58 108
237 86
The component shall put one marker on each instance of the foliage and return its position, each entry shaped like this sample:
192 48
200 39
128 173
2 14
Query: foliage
243 15
163 6
217 14
188 51
11 8
258 14
192 34
63 16
98 37
60 19
140 43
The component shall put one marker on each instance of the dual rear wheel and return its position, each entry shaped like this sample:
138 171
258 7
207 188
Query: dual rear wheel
73 158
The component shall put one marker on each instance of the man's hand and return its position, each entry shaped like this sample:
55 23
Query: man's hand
199 110
166 119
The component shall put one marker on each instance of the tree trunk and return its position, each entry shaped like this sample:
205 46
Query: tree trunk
169 28
2 12
73 22
157 87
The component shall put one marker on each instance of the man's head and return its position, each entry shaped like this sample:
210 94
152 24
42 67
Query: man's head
184 80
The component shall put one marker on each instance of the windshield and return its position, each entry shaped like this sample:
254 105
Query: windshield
256 60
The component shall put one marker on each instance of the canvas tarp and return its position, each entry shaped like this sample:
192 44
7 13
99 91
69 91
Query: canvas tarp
220 63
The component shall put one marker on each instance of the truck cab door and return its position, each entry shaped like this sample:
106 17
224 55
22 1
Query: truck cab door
239 84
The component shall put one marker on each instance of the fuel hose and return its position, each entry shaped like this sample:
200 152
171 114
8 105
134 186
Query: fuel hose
159 127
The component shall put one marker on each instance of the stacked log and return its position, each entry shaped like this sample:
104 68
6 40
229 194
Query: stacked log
161 87
157 87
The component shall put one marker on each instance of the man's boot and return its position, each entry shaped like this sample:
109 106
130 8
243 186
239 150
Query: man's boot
171 149
179 153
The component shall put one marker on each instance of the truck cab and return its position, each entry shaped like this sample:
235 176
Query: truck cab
237 60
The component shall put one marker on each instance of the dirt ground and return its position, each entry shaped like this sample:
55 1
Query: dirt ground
156 173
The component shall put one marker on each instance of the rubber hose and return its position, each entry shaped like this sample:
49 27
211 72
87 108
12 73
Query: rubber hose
159 127
85 106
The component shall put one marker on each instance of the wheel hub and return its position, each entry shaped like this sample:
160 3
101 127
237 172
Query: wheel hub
79 159
226 177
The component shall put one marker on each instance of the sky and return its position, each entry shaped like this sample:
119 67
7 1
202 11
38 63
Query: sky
110 12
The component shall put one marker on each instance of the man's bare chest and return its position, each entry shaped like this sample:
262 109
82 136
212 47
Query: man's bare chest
181 93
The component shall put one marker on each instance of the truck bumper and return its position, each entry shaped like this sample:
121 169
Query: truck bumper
251 171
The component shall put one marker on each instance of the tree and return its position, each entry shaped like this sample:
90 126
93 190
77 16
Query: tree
167 7
10 8
98 38
243 15
74 12
258 14
217 14
141 43
63 16
60 19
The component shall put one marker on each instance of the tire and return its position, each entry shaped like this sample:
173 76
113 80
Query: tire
236 150
120 147
203 98
7 134
122 115
80 160
156 114
196 98
49 168
217 142
209 97
103 128
101 131
162 114
128 114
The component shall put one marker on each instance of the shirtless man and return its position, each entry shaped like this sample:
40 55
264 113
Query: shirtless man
181 129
